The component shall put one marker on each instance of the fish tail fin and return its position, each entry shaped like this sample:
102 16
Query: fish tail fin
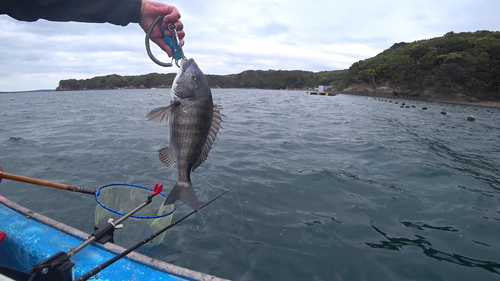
185 192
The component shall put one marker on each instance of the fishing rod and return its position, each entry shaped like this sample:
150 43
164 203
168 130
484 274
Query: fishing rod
4 175
104 231
96 192
131 249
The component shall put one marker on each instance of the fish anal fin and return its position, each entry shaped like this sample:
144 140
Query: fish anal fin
165 156
214 129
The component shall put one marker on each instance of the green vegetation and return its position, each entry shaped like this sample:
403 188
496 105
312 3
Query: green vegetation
275 79
464 62
271 79
152 80
457 62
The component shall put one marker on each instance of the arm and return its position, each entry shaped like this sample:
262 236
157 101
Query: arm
118 12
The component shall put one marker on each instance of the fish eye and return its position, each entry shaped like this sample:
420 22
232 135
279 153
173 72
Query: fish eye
193 77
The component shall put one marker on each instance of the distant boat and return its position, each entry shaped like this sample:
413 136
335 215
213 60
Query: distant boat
321 91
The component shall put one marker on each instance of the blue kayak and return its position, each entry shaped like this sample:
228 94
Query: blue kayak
30 238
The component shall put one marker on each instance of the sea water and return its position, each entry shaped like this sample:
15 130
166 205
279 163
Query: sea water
326 188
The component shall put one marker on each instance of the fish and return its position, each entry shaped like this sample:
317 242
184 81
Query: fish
194 121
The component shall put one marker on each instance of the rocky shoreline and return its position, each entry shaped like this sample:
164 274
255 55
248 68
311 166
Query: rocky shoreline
406 94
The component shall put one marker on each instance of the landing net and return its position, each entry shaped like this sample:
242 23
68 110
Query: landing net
115 200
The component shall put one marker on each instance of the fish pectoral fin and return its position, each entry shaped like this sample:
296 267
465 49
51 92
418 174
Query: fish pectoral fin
165 156
212 134
160 114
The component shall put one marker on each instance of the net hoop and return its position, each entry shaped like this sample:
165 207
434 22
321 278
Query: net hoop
133 216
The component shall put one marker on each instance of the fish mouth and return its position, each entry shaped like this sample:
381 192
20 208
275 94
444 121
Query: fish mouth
186 63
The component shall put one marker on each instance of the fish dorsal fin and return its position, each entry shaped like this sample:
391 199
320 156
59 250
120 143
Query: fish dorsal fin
165 156
212 134
160 114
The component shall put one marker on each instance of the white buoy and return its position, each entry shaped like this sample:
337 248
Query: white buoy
471 118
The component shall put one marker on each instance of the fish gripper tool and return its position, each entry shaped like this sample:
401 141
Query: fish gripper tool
172 42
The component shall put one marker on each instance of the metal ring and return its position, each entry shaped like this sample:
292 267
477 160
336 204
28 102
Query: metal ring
133 216
172 29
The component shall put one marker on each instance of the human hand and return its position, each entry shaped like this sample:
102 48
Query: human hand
150 11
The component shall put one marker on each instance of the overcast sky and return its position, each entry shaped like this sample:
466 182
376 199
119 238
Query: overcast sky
228 37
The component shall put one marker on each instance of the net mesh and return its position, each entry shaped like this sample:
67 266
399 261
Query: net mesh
122 198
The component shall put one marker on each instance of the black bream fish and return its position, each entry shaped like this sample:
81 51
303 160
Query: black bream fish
194 122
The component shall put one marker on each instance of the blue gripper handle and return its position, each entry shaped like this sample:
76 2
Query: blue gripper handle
177 53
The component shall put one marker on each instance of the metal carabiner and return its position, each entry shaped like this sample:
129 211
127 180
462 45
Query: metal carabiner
173 43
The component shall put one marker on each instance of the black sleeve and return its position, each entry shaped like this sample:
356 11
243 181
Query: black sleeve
119 12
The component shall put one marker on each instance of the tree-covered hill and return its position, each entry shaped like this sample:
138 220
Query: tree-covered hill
456 63
271 79
467 62
152 80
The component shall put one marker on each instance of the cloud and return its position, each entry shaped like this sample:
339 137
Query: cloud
228 37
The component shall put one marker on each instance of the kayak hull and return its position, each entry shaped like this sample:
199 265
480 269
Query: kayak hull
32 238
